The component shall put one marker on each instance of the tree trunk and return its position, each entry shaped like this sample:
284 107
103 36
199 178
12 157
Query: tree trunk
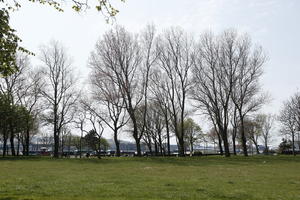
12 145
293 143
80 145
181 146
117 143
244 140
18 145
138 146
226 144
56 131
266 147
191 148
150 148
298 141
56 146
168 136
233 145
256 147
155 148
99 149
220 144
69 146
4 144
62 145
24 148
136 137
160 143
27 135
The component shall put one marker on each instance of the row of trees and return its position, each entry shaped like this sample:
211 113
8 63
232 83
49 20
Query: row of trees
18 99
46 96
148 85
71 143
164 74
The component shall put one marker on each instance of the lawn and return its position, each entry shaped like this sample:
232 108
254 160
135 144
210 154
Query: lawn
255 178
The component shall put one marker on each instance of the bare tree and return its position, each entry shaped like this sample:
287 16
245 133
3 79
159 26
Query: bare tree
246 94
214 80
80 121
126 61
45 139
64 138
97 131
154 135
28 95
234 131
161 100
227 70
289 117
193 133
59 91
253 129
118 56
214 137
107 95
268 121
176 58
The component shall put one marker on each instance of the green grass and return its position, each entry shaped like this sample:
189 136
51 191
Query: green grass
255 178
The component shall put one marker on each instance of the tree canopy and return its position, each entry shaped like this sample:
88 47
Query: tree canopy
8 45
9 41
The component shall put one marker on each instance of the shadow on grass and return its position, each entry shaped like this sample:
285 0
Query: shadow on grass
12 198
29 158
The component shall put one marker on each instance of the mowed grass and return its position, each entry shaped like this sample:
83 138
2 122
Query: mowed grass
257 178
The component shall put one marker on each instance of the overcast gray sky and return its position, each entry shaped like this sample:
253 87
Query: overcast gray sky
274 24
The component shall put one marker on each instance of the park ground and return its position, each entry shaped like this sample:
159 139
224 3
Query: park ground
209 178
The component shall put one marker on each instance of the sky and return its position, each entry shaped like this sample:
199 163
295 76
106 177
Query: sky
273 24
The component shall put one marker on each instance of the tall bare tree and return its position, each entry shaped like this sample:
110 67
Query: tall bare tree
80 121
227 70
176 58
246 95
214 80
59 91
107 95
125 59
158 96
118 56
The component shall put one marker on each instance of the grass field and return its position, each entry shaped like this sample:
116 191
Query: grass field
257 178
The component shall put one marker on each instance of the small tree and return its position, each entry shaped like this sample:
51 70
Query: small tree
267 125
253 129
96 142
285 145
290 118
193 133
